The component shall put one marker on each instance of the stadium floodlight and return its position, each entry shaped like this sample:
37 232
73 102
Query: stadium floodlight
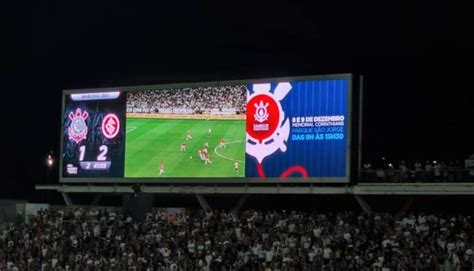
50 160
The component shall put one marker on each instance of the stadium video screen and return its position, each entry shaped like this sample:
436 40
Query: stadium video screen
297 128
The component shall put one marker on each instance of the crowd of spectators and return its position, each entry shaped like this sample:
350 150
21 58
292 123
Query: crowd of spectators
429 171
195 100
100 239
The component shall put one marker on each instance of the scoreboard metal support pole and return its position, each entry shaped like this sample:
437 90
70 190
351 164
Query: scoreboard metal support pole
361 110
203 202
67 199
240 203
363 204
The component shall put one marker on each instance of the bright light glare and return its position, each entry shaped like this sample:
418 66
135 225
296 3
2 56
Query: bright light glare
50 161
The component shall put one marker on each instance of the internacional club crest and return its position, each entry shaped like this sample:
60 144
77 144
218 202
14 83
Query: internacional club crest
110 126
77 130
268 129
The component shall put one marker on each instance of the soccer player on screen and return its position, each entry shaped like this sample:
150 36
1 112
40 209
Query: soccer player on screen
207 159
209 131
201 154
236 167
189 135
222 144
183 147
162 168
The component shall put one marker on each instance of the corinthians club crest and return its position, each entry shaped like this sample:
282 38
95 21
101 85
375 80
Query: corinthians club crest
78 129
267 127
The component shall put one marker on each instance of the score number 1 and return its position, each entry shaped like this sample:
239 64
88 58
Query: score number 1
101 157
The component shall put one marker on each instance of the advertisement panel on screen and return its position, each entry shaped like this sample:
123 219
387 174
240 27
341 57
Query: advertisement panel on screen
297 128
293 129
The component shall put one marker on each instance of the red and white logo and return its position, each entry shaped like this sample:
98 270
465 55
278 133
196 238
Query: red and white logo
110 126
261 113
77 130
263 116
267 127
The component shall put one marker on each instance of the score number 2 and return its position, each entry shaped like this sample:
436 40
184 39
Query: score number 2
101 157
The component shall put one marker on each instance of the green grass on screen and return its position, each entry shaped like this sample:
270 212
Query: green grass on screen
150 141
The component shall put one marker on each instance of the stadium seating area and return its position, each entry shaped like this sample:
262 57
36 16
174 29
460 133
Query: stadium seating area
189 100
100 239
417 172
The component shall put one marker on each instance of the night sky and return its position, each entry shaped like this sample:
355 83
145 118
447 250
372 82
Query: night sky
416 60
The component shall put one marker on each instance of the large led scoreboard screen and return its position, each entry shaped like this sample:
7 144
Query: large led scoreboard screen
292 129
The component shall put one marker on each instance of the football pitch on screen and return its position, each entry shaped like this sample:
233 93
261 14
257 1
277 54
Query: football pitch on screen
152 141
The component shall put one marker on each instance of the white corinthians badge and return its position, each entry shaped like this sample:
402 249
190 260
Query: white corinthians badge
78 129
267 127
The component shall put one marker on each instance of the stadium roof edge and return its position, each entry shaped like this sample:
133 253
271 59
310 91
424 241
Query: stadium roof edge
361 189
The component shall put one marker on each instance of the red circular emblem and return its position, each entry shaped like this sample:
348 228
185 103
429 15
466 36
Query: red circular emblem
263 117
110 126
